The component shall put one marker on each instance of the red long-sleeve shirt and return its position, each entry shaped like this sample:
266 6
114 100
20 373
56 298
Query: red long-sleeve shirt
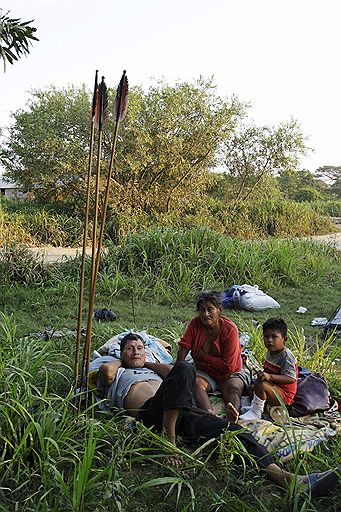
226 357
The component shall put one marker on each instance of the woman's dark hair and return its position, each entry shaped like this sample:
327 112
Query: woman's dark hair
213 297
128 337
277 324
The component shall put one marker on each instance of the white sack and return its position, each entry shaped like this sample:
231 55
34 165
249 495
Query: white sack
252 298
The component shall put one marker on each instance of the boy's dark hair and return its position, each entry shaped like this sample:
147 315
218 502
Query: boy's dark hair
276 324
213 297
128 337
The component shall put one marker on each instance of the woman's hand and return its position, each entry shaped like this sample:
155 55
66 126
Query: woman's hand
201 355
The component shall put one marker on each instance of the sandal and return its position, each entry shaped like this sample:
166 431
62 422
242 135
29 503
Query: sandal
321 484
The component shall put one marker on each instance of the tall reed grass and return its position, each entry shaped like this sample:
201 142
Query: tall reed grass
174 265
264 218
168 262
327 207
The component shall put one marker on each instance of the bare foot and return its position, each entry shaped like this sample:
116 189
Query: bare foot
232 414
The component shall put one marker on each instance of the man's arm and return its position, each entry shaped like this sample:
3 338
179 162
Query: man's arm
107 372
160 368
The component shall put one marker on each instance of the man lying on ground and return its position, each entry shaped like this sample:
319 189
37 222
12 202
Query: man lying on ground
162 396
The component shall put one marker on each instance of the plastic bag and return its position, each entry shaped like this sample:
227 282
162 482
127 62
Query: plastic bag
252 298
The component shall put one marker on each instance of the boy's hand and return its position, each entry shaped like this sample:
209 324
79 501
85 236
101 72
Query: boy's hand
263 376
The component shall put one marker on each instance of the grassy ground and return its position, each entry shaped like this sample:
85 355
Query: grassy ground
94 463
36 308
99 464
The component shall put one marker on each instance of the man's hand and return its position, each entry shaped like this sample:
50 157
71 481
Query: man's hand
175 460
161 369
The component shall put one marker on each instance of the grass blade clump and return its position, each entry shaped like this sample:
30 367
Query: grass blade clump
179 263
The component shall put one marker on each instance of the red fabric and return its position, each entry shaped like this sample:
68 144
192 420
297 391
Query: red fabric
227 357
288 390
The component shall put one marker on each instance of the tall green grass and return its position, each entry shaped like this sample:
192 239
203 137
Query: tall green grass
175 265
170 263
39 227
264 218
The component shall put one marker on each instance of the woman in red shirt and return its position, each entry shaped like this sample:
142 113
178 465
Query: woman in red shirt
215 347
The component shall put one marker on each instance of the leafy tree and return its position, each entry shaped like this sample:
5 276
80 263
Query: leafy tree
255 153
300 185
170 136
171 139
224 187
16 36
331 175
47 145
308 194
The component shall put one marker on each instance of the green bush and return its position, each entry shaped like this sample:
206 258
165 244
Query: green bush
251 219
34 226
327 207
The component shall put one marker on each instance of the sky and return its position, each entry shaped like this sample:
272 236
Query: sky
281 56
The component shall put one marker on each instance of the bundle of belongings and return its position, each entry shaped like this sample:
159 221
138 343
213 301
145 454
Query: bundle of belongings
248 297
310 420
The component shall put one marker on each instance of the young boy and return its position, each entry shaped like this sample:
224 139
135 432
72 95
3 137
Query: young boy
278 381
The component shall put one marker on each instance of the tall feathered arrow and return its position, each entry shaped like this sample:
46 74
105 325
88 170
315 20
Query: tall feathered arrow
99 116
120 109
101 105
95 100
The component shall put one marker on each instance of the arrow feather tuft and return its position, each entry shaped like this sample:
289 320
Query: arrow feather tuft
101 108
121 100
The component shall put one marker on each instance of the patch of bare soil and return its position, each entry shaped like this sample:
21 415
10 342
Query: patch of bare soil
57 254
333 239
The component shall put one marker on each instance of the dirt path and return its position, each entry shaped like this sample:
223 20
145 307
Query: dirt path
333 239
58 254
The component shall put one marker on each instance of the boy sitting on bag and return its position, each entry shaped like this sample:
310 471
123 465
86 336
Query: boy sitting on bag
278 381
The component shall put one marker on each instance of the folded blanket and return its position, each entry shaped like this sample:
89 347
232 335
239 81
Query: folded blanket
288 436
295 435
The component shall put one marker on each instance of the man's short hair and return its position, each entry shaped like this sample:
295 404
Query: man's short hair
128 337
277 324
213 297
